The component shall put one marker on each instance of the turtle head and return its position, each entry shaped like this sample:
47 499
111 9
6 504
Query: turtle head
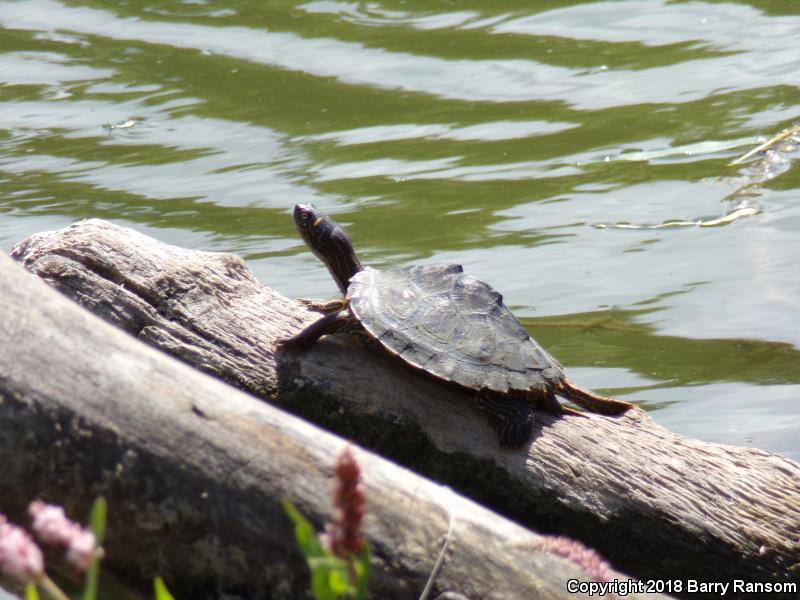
329 242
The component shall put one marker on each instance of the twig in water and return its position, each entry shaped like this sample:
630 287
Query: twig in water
768 144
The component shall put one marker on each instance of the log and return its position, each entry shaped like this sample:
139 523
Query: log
194 470
659 505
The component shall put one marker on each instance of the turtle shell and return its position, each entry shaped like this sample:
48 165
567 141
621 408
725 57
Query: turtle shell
453 326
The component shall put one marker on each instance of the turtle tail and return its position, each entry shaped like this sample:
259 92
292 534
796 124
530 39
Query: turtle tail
591 401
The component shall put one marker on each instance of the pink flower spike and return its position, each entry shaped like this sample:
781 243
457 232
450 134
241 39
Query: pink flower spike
53 527
350 500
20 557
587 559
81 550
51 524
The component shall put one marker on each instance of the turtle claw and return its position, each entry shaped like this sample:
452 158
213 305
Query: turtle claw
325 307
513 434
308 303
566 410
286 344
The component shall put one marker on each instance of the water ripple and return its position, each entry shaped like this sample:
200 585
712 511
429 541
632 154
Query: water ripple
511 80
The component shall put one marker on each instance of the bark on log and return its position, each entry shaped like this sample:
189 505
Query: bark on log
657 504
194 470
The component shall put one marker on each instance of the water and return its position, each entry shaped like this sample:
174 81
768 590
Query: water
572 154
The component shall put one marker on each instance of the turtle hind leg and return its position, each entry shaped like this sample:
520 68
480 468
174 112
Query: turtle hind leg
550 403
512 418
332 323
591 401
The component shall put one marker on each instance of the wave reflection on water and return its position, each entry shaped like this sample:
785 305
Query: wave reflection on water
498 135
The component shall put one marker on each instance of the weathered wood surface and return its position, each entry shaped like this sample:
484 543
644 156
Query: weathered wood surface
194 470
657 504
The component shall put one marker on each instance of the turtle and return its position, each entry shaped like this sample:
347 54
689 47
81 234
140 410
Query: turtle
446 323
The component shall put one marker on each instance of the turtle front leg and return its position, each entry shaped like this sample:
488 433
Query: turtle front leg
326 307
327 325
512 418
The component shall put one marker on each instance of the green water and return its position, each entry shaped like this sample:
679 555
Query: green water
540 144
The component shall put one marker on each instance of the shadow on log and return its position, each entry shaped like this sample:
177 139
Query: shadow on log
659 505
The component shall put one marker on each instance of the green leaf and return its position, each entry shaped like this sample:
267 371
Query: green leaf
162 593
339 582
330 575
97 519
363 566
31 593
320 586
304 533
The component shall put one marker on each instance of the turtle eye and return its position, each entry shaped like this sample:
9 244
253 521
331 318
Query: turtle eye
310 220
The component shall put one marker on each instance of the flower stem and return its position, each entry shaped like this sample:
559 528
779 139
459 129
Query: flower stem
51 589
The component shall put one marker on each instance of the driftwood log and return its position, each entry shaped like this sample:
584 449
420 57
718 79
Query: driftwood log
658 505
194 470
